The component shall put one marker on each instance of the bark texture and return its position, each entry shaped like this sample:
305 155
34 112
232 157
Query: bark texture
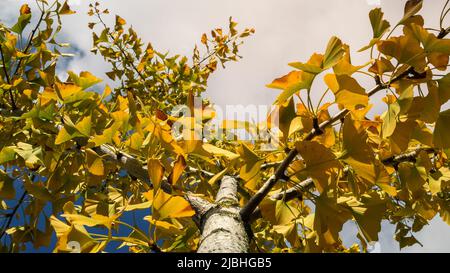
222 228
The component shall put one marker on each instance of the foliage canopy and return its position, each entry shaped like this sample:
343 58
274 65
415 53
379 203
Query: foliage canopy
76 162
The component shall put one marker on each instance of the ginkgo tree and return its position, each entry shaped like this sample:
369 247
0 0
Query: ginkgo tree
76 161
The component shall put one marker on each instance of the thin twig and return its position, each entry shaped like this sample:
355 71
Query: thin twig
13 213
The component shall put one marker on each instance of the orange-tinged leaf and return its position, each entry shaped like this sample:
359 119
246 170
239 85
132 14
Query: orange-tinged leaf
7 190
313 66
120 21
287 81
285 213
25 9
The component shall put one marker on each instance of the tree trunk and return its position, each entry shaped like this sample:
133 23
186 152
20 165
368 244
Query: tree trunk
221 226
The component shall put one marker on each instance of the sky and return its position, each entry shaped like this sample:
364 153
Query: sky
286 31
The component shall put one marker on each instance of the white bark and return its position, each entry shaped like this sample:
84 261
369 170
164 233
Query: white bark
222 228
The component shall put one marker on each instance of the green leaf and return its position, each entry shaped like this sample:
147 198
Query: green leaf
379 26
7 190
155 172
333 53
291 83
22 22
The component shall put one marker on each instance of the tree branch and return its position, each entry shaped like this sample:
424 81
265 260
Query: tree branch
307 184
36 28
132 165
227 191
13 213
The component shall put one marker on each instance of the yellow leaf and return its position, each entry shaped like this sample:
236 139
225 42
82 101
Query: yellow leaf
406 50
84 126
219 151
329 218
155 172
344 66
368 213
59 226
63 136
313 66
291 83
401 137
250 169
65 9
135 141
381 66
166 227
47 95
349 94
168 206
178 168
333 53
106 92
281 117
144 205
285 213
321 163
441 132
37 189
286 81
390 119
94 163
164 135
411 7
95 220
65 90
218 176
379 26
85 80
